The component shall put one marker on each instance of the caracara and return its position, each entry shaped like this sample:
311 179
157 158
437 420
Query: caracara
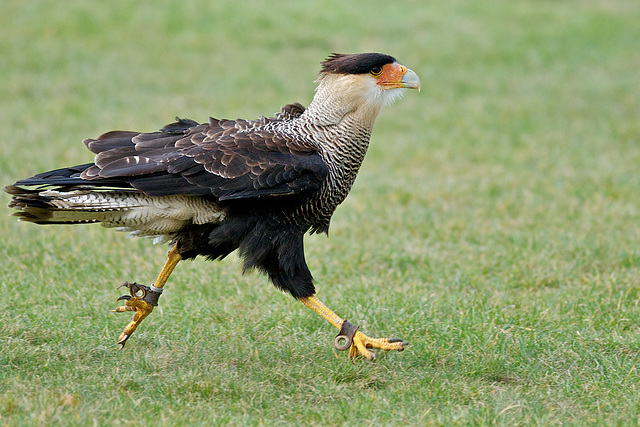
256 186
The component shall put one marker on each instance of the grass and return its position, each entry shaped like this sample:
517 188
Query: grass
495 223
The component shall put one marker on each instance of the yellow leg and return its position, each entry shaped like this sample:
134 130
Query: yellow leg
361 342
139 301
173 258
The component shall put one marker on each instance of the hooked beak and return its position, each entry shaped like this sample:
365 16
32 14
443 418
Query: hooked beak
410 80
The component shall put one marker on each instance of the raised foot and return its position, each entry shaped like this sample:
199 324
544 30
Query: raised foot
141 300
361 343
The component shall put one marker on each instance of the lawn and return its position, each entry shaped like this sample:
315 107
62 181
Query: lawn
495 224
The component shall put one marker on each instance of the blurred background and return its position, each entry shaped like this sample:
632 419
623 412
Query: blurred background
509 185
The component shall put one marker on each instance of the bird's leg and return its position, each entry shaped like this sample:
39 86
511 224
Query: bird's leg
143 298
349 336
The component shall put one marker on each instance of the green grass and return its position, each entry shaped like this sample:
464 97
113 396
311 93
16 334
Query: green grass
495 223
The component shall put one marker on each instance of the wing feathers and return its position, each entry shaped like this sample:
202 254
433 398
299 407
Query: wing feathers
223 158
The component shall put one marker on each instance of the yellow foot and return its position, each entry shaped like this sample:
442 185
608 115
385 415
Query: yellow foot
361 343
141 301
349 336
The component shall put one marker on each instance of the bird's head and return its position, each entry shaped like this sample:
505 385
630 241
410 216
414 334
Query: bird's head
362 84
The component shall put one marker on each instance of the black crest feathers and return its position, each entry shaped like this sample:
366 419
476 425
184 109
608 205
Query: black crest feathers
360 63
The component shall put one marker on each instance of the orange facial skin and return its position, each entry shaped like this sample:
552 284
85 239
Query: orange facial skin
392 75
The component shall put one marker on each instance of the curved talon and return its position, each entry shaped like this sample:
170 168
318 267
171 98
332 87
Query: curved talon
361 344
122 340
141 292
135 290
141 300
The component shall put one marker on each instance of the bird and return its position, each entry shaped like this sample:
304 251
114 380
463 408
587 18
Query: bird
252 186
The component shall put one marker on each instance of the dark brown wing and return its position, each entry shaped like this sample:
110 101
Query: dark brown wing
223 158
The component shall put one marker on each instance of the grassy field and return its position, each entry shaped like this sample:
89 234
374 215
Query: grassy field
495 223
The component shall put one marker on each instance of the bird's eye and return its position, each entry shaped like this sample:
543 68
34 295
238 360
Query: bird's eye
376 71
